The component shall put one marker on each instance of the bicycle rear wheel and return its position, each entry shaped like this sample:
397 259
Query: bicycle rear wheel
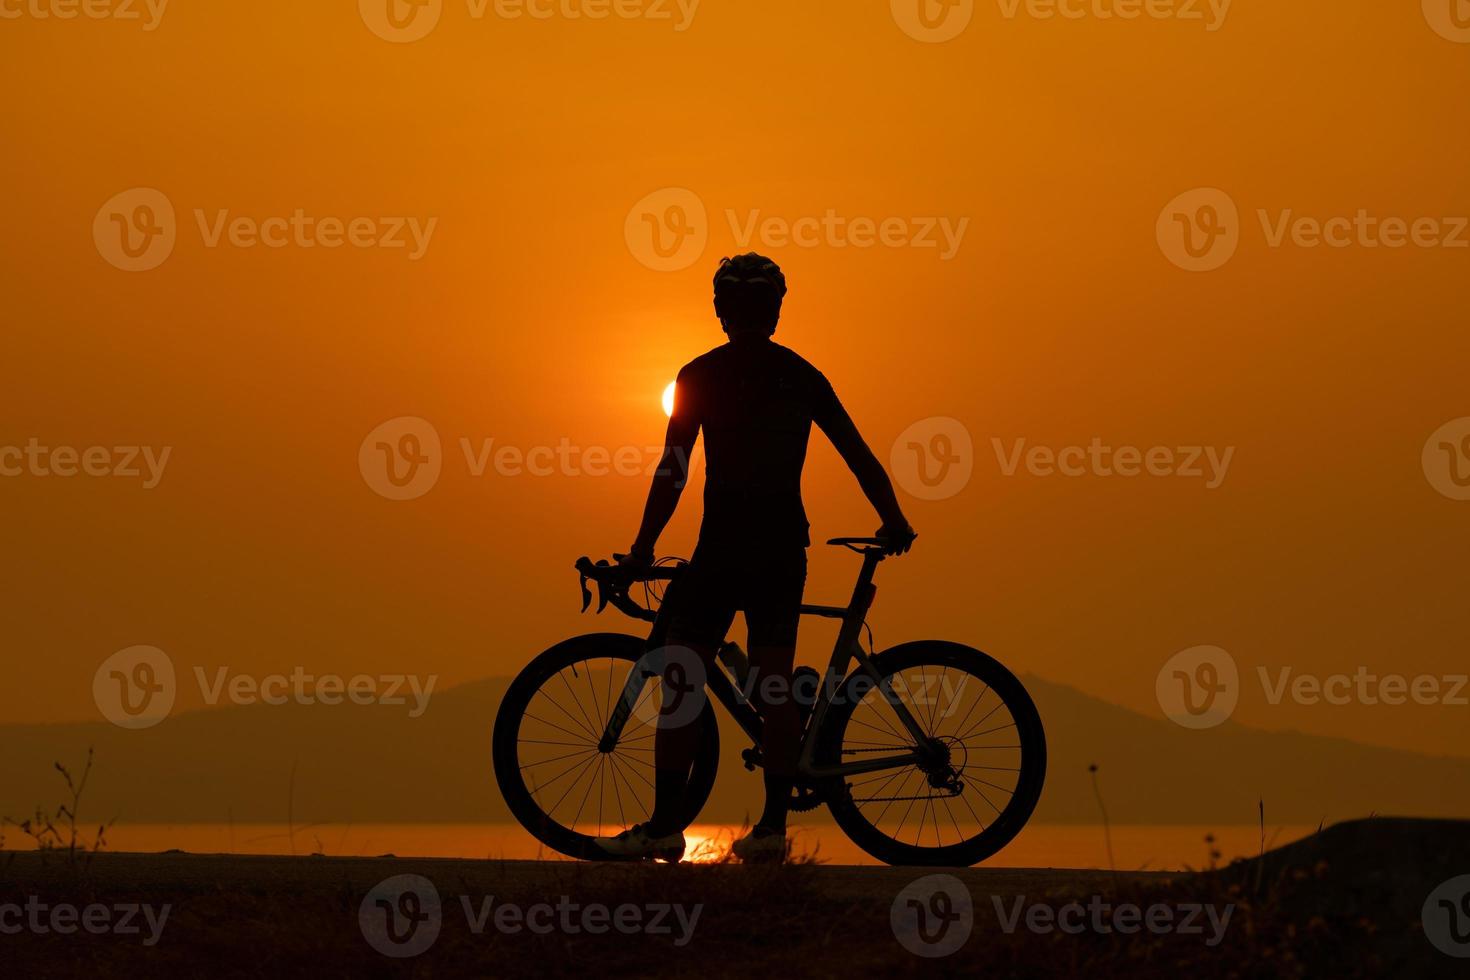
548 764
973 795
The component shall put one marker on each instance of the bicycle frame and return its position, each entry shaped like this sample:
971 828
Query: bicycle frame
844 651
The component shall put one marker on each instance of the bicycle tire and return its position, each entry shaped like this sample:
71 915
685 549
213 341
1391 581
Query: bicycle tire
1031 773
505 743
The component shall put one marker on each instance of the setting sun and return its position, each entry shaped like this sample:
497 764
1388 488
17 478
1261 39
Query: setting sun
669 399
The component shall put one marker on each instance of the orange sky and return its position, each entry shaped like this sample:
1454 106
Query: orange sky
529 319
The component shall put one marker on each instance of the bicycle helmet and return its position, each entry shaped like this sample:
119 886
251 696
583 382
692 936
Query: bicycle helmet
749 289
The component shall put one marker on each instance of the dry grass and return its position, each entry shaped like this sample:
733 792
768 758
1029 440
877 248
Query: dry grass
263 917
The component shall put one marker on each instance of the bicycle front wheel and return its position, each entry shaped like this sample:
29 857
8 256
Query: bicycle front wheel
552 771
982 771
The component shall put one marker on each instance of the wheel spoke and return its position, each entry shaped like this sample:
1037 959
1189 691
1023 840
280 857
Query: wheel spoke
972 812
553 725
904 782
983 692
557 758
639 774
591 729
601 759
983 720
593 691
568 769
952 705
571 786
880 731
959 834
617 793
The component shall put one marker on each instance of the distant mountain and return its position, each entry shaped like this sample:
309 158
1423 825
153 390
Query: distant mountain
373 764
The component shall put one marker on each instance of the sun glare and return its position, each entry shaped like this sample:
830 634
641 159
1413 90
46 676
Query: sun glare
669 399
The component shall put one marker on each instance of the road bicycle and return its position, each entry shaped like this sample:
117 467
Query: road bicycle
928 753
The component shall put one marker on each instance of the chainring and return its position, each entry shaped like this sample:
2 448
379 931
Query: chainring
805 796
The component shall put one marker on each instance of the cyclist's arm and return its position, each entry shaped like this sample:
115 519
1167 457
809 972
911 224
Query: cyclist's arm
871 477
668 481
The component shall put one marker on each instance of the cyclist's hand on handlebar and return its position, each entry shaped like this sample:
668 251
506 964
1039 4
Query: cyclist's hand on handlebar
899 538
635 561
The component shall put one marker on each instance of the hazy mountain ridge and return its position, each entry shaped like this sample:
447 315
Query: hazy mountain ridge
373 764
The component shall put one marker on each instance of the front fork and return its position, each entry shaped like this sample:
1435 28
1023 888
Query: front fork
651 665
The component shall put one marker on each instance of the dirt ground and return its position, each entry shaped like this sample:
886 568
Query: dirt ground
1348 902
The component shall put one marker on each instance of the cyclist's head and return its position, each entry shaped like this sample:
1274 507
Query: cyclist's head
748 293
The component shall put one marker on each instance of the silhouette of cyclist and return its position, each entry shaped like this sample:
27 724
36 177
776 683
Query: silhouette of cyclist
756 402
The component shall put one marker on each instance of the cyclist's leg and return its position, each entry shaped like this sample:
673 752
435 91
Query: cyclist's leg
704 610
772 614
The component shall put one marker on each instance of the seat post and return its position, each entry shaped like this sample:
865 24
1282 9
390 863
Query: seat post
871 558
864 591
